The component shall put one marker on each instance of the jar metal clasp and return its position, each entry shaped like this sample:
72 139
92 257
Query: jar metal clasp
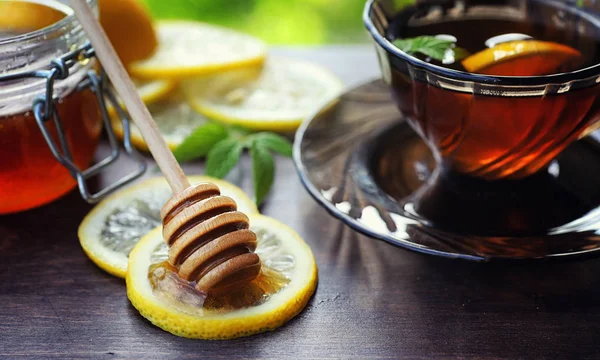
44 110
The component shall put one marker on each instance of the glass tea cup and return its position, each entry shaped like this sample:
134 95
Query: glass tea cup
490 126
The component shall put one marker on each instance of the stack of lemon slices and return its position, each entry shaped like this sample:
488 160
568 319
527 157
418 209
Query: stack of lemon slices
187 73
198 72
214 73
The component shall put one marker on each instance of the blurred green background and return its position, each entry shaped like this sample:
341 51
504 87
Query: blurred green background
301 22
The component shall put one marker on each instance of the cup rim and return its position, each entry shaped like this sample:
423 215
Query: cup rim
560 78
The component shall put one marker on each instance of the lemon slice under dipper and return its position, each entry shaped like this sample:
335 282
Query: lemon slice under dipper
175 119
278 98
114 226
287 281
190 48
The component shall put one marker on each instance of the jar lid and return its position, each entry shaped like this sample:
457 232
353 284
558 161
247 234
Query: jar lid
23 56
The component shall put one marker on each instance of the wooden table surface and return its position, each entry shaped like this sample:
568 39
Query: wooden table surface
373 300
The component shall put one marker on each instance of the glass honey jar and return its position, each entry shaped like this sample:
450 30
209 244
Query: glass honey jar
52 106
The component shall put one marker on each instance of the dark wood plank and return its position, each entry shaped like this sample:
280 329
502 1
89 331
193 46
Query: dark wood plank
373 300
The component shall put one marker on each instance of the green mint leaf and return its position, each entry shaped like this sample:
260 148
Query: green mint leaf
223 157
240 130
263 169
200 141
427 45
273 142
431 46
405 45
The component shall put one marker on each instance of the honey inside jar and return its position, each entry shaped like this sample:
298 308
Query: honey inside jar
21 17
30 175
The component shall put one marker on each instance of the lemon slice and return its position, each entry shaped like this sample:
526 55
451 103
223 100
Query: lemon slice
189 48
129 27
175 119
522 58
287 261
149 91
285 93
114 226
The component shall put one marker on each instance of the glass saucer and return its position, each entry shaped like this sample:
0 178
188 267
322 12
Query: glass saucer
367 167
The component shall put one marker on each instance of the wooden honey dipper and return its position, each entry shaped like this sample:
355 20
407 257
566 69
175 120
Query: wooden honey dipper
209 240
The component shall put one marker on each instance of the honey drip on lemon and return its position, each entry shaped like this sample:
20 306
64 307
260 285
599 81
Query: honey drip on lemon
183 294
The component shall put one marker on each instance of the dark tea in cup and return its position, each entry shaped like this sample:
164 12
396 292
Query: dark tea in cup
496 88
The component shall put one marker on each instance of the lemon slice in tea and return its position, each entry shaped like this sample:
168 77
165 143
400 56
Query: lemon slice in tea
287 281
173 116
114 226
278 99
190 48
522 58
